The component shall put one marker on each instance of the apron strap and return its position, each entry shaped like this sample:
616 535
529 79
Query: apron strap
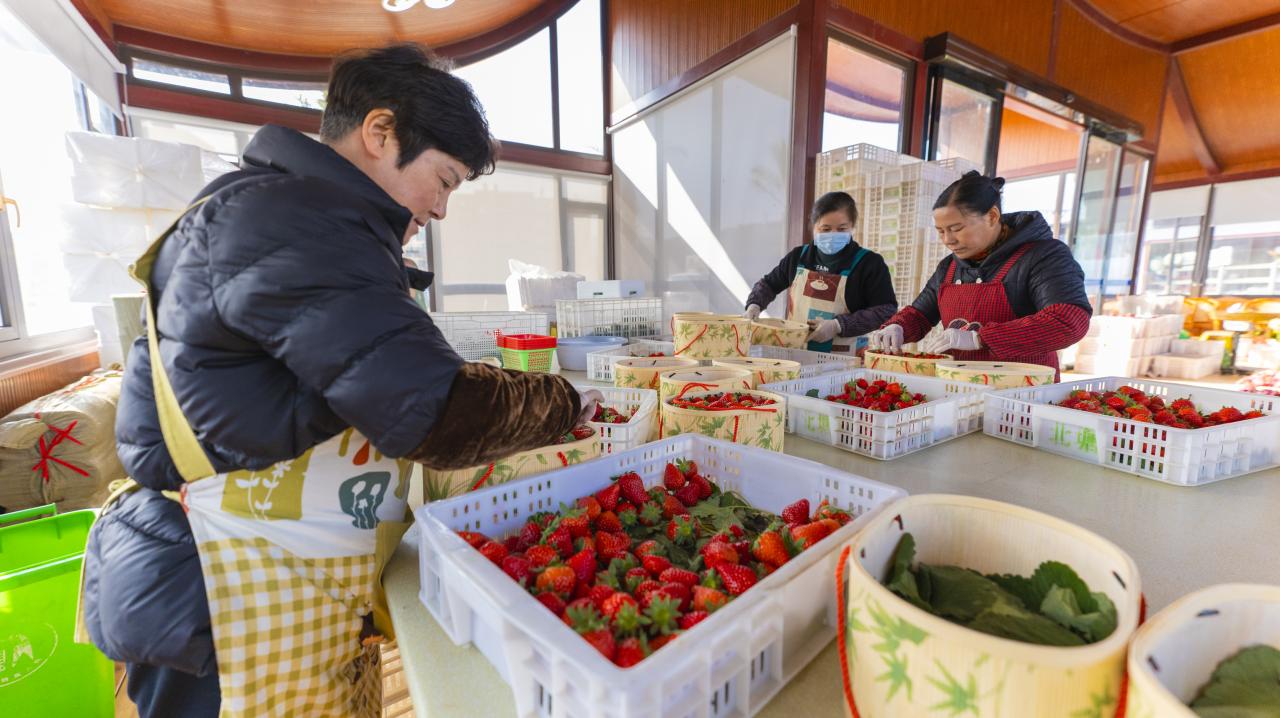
862 252
1013 259
951 271
179 438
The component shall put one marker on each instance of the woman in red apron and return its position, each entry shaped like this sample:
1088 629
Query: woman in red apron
842 290
1009 291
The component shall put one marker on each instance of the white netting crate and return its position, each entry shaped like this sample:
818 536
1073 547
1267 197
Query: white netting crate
600 364
1174 366
642 428
630 318
844 167
729 666
811 363
1185 457
951 409
474 334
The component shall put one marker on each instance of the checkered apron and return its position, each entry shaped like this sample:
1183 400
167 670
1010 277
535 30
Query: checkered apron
291 556
813 299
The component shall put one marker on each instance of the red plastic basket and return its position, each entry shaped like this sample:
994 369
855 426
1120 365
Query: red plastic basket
526 342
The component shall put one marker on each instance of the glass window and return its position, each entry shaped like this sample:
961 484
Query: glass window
1244 258
284 92
1097 199
1168 261
1124 232
153 71
518 212
864 99
515 88
226 139
964 123
580 61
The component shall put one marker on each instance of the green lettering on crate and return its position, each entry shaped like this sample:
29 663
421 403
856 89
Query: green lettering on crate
1087 441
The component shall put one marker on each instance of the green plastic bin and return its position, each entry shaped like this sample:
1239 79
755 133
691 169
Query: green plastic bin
43 671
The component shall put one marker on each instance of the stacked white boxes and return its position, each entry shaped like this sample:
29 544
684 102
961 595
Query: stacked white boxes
1126 346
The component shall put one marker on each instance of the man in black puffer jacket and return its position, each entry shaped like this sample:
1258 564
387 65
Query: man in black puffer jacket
284 317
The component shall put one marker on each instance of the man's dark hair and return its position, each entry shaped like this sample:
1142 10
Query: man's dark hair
834 202
973 193
433 109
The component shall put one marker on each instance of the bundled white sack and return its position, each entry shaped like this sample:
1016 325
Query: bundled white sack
133 172
100 244
531 288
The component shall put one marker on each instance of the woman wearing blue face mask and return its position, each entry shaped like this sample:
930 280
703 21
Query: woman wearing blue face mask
842 290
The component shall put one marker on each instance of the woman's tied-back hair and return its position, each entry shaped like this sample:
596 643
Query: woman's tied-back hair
834 202
972 194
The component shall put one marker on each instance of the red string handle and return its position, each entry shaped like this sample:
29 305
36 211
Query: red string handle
840 630
484 478
691 385
693 341
1122 704
46 450
737 341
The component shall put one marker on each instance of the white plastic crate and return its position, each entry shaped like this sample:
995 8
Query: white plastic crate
952 409
1123 365
1185 457
1174 366
1135 327
630 318
473 334
728 666
1198 348
1126 348
600 364
811 363
639 430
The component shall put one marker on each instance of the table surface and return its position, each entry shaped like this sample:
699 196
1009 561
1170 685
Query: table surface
1182 539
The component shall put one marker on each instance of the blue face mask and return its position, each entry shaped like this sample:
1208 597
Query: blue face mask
830 243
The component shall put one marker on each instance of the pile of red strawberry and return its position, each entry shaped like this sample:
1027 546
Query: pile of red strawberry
912 355
1130 403
578 434
631 569
726 401
879 395
657 354
610 415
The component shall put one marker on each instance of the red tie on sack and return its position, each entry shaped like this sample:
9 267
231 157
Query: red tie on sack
47 447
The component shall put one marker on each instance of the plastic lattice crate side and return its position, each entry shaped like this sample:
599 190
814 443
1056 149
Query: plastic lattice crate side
474 334
630 318
1185 457
600 364
811 363
642 428
951 409
729 665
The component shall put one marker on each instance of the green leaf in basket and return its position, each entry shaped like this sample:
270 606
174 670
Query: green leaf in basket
1061 606
901 580
1006 620
813 393
1246 685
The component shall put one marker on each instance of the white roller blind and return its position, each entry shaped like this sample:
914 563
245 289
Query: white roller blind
66 34
700 184
1247 201
1174 203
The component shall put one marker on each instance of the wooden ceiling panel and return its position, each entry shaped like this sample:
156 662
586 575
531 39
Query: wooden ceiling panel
314 27
1236 96
1172 20
1176 158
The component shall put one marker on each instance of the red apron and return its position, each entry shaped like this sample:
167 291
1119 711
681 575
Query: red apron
986 303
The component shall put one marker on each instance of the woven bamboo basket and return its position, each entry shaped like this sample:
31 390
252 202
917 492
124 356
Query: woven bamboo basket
900 364
779 333
763 371
675 381
901 661
711 336
643 372
998 375
444 484
1174 654
763 427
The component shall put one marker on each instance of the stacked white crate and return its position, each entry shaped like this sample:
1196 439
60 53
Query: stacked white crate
852 169
1189 359
1125 346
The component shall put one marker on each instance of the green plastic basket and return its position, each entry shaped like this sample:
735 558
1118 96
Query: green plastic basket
527 359
44 672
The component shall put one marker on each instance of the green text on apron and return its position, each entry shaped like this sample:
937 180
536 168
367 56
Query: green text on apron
291 556
820 295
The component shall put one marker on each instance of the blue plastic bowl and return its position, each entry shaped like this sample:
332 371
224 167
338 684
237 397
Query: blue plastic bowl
572 352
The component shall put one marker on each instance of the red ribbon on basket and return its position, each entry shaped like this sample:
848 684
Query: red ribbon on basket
737 341
705 327
46 450
691 385
484 478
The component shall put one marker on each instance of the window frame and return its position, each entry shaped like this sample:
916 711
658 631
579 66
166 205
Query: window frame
906 64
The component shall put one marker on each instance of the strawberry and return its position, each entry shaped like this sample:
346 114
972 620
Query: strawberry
648 548
608 521
691 619
554 603
518 568
737 579
583 564
659 641
682 531
689 494
718 552
797 513
632 487
494 551
514 544
475 539
736 531
679 592
769 548
657 494
708 599
576 606
809 534
557 579
663 614
645 592
584 543
704 486
541 555
827 511
531 534
629 652
743 548
688 467
576 523
672 478
613 604
608 497
561 540
628 517
634 578
581 590
589 624
591 505
655 565
679 575
599 593
672 506
650 515
612 545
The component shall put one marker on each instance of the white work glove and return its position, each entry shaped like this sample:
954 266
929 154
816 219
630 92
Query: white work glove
887 340
753 312
588 399
824 331
965 340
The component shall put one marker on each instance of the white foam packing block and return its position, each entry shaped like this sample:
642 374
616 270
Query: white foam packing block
100 244
133 172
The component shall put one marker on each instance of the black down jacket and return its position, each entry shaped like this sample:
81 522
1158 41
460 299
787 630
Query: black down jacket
286 294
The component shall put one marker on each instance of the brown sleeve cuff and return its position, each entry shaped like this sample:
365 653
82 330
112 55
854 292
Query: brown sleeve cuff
493 413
